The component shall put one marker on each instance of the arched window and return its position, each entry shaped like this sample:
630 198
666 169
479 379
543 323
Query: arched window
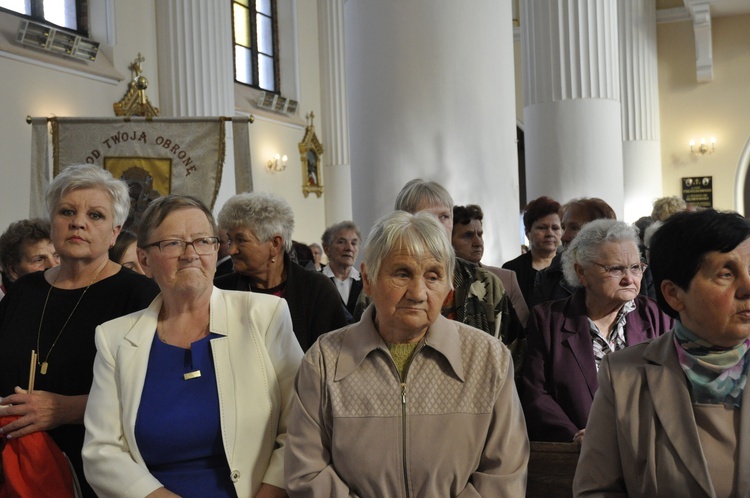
256 61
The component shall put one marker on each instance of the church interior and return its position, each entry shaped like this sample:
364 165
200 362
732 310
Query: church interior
336 108
607 99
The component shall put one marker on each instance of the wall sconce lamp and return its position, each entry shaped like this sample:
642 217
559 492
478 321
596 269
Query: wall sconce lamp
703 148
277 164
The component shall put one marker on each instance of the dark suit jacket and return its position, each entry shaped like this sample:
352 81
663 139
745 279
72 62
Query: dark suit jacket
314 302
354 293
550 284
642 438
525 273
224 268
559 376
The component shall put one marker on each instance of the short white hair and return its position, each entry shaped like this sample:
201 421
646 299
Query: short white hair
419 234
264 214
90 176
584 249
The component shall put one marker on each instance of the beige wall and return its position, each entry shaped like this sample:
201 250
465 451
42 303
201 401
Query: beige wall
269 136
28 89
691 110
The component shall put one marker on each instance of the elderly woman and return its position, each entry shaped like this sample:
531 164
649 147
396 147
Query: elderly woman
670 417
550 283
54 313
190 395
25 247
341 245
125 251
477 297
317 253
664 207
567 339
541 222
259 227
374 399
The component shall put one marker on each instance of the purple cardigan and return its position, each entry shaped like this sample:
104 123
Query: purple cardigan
559 374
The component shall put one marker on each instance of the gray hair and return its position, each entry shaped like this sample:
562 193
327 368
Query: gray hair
158 210
333 230
85 176
584 249
420 234
264 214
664 207
316 246
419 193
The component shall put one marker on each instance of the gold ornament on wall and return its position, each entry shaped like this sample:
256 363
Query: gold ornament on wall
310 150
135 102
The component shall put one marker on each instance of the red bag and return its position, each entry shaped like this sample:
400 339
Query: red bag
34 467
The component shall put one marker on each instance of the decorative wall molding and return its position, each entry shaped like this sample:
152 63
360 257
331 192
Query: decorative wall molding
704 62
588 37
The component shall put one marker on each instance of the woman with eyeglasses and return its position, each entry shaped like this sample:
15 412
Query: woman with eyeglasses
670 417
568 338
190 396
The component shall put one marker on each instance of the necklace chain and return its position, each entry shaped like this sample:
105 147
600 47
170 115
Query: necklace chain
45 363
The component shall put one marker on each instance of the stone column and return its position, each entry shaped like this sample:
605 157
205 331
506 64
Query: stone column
639 91
196 68
334 120
431 95
572 100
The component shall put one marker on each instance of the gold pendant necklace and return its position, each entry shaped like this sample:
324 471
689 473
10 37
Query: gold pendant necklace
45 364
163 338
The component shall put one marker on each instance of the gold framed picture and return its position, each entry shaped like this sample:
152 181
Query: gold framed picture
310 150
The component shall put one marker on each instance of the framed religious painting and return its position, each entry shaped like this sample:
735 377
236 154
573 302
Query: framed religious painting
310 150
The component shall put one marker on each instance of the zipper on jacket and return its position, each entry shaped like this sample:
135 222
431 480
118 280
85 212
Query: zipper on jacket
402 382
403 436
403 419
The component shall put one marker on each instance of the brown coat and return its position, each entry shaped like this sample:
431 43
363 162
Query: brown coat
641 439
513 290
456 427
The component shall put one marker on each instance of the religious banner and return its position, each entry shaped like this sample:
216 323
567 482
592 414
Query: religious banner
155 156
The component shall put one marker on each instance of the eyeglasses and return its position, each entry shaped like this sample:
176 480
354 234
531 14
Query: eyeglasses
176 247
619 271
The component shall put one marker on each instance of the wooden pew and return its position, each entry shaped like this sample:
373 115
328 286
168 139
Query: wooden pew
551 469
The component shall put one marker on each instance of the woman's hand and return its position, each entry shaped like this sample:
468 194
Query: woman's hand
40 411
578 437
270 491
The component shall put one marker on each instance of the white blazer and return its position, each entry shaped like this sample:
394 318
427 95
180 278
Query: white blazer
256 361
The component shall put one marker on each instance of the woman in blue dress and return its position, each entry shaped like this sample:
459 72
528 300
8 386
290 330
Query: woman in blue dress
190 396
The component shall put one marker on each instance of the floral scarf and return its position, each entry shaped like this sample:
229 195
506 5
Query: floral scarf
716 375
